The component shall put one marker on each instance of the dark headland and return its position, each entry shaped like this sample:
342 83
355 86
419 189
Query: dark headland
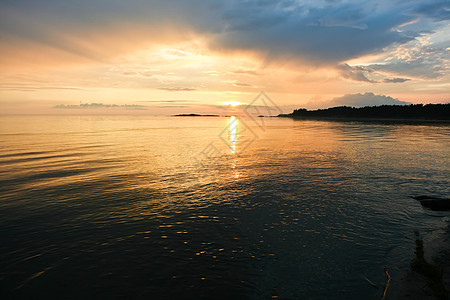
394 113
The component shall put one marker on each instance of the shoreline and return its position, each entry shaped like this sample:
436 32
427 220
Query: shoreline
369 120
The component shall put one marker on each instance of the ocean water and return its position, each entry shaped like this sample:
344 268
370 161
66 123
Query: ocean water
143 207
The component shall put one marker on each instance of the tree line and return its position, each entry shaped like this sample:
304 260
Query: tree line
413 111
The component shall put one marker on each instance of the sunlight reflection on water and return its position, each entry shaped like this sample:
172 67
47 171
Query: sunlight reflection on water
233 133
127 207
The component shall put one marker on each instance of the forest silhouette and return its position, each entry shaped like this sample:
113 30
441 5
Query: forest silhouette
438 112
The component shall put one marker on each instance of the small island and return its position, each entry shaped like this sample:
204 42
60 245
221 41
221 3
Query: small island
400 113
195 115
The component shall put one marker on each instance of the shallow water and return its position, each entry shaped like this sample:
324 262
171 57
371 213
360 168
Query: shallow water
212 207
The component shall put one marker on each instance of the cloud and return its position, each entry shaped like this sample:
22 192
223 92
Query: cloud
31 88
99 106
316 35
437 10
394 80
419 59
168 101
246 72
356 100
315 32
416 68
359 73
287 47
355 73
242 84
177 89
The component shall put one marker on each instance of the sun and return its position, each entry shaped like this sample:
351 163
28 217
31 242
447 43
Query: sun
233 103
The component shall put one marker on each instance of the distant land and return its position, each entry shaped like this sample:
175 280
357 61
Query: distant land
413 113
195 115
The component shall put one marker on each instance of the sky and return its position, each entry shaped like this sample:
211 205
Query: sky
179 56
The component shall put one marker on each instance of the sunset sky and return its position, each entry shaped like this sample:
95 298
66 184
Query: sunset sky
194 56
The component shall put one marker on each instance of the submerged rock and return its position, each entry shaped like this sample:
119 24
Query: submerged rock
434 203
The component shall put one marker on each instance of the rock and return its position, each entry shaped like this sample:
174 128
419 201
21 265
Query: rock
434 203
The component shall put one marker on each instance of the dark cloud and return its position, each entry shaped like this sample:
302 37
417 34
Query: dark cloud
319 33
418 68
436 10
359 73
394 80
313 31
323 35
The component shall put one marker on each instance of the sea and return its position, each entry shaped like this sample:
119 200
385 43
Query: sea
235 207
